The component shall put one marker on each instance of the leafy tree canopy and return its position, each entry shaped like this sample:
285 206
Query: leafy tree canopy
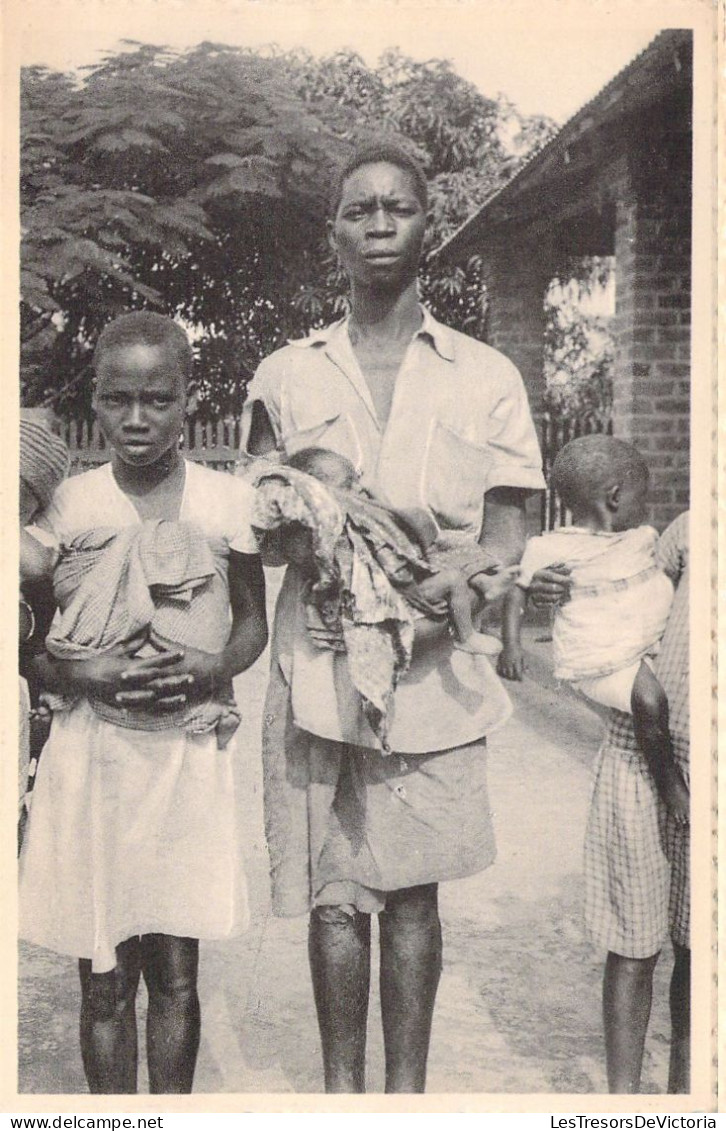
578 341
195 183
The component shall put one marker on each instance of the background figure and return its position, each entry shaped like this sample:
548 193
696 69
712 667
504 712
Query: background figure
43 464
431 418
637 851
606 635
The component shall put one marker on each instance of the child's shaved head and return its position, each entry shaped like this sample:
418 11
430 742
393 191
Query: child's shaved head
329 467
588 467
144 327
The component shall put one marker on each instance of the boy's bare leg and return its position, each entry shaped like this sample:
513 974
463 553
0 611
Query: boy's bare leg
339 949
108 1022
626 999
650 723
679 1075
173 1022
410 970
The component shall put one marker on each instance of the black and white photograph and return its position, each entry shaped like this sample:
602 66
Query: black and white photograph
364 355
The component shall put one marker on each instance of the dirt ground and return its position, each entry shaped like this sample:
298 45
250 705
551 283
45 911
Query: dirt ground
518 1009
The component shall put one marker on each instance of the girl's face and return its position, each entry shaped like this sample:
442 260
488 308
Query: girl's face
379 227
140 401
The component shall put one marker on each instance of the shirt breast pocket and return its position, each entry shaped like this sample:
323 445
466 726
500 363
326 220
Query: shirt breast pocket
455 478
324 429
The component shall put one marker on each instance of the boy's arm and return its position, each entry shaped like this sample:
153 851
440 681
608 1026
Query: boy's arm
503 533
510 664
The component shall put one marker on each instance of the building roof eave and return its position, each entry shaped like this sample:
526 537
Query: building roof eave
612 101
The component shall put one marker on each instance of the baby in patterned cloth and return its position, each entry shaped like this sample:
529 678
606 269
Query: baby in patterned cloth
607 633
367 570
433 581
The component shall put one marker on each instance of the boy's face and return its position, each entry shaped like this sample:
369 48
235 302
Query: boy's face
140 401
379 227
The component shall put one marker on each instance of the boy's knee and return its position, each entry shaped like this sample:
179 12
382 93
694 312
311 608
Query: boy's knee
170 966
107 997
413 905
334 914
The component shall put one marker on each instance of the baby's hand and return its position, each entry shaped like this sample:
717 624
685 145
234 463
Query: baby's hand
433 594
674 794
510 664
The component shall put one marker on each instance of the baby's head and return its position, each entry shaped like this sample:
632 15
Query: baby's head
295 541
329 467
603 481
44 461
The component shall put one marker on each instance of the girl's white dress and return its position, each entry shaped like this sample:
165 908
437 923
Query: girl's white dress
134 832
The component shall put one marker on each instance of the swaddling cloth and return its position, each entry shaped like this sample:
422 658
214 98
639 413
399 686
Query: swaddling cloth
110 584
618 607
350 601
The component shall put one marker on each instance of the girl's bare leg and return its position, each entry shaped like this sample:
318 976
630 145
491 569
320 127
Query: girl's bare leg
108 1022
627 995
173 1023
679 1075
339 948
410 971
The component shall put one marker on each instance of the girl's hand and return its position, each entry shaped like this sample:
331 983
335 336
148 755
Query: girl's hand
674 794
550 586
510 664
170 679
100 676
202 672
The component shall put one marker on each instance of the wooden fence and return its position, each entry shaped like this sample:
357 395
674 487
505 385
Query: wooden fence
555 433
215 444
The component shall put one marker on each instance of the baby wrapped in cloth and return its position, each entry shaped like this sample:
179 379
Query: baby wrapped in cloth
157 575
364 563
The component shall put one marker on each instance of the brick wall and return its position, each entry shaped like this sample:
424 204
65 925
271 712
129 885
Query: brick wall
653 313
517 283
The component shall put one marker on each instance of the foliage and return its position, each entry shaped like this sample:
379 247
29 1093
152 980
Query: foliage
579 342
195 183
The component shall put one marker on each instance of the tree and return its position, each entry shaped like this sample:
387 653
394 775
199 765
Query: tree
195 183
579 347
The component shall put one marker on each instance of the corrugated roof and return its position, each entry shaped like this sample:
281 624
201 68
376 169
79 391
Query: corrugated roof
668 40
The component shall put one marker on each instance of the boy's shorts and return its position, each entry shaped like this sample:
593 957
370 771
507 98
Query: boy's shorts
615 689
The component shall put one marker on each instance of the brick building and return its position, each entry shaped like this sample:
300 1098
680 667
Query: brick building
615 180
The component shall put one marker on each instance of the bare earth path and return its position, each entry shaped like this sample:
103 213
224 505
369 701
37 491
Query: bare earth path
519 1004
